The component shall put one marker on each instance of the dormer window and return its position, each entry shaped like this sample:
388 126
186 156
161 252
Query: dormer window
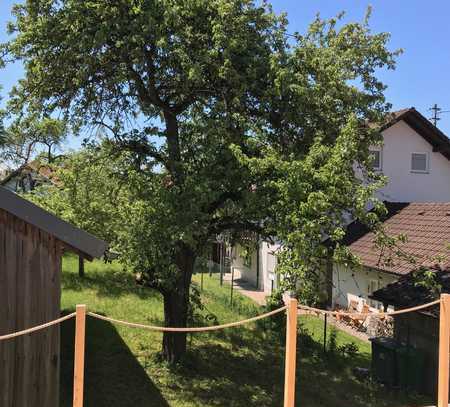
376 158
420 162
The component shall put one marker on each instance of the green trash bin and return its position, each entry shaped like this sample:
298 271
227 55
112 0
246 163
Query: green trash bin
384 360
411 368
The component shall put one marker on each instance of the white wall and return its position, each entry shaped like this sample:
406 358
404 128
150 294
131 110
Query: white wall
242 271
267 265
353 284
400 141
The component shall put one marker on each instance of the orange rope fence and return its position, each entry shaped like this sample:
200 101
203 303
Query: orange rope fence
36 328
217 327
291 337
373 314
193 329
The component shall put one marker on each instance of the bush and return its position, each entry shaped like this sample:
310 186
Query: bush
348 349
276 323
332 343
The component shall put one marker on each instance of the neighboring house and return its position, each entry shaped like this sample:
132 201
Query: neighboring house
32 242
427 227
28 177
415 157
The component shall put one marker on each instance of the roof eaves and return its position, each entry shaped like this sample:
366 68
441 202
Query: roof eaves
72 236
420 124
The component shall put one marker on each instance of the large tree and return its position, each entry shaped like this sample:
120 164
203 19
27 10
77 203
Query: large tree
226 122
28 135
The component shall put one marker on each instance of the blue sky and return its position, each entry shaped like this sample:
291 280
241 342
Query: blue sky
421 28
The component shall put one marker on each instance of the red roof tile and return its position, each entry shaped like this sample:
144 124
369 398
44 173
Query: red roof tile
427 228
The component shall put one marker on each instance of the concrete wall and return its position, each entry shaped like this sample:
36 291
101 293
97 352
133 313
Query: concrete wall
400 141
353 284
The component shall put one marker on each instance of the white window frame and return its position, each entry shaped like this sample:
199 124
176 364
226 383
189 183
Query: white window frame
380 151
427 157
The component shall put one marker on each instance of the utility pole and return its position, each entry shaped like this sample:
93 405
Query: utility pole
437 111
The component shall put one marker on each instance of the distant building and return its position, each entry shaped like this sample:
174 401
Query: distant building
27 177
415 157
427 228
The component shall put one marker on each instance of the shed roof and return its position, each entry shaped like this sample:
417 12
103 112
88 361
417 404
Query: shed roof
72 236
427 227
406 292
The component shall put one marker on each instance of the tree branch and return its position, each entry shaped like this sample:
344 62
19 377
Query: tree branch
235 226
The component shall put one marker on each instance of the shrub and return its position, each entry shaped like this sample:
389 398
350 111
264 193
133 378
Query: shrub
348 349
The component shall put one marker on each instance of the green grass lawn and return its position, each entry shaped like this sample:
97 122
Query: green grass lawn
236 367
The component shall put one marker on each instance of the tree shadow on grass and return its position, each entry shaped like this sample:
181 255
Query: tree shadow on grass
249 371
107 284
113 376
232 373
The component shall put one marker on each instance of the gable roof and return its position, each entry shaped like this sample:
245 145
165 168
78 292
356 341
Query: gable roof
41 170
419 123
75 238
427 227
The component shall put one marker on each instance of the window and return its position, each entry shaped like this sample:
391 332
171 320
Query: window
376 159
419 162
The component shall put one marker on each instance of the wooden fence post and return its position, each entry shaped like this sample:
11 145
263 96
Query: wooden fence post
444 349
78 373
291 353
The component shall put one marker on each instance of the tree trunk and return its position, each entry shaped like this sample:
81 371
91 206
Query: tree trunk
80 266
176 305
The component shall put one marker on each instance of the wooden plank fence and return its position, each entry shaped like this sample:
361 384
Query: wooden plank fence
444 349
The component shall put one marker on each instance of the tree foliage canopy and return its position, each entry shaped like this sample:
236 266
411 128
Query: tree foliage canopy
26 136
220 119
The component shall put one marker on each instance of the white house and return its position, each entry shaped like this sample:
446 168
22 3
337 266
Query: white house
415 157
427 226
257 266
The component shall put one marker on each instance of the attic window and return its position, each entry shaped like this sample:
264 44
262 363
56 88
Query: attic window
419 162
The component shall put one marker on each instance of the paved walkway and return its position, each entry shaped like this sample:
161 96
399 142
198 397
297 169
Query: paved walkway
247 289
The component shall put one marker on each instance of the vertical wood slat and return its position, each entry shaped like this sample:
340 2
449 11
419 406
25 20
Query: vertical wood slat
30 265
444 349
80 338
291 353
